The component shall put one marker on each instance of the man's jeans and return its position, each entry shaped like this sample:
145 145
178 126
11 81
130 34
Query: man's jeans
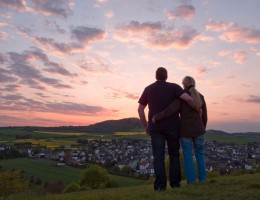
158 147
189 168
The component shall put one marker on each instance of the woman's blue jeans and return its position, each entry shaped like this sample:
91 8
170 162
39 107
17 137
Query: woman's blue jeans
189 168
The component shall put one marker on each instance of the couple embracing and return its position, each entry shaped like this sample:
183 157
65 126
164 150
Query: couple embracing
175 116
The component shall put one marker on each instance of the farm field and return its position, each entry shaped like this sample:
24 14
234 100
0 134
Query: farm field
47 171
60 133
229 138
129 133
50 143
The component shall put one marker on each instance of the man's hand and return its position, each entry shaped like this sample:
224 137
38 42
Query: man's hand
143 118
190 101
147 131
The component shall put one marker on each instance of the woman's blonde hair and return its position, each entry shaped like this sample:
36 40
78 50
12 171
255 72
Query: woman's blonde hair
189 83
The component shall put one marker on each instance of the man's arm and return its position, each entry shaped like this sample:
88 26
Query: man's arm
190 101
143 117
173 108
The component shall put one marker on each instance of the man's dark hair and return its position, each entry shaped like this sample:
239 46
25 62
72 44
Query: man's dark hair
161 74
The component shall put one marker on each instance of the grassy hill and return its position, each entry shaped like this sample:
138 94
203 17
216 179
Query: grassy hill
244 187
47 170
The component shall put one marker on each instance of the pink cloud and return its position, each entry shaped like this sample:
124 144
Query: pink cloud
119 93
109 14
244 35
225 53
94 65
86 35
135 31
99 3
52 8
137 27
3 35
240 57
182 12
156 35
180 39
201 70
18 5
216 26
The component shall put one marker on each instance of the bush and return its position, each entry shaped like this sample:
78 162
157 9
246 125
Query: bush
38 181
213 174
72 187
94 177
111 183
11 182
53 187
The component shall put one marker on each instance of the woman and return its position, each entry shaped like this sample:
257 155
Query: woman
192 129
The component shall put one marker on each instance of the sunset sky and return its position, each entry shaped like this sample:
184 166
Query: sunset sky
80 62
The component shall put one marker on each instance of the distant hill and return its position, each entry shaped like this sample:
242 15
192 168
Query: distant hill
127 124
109 126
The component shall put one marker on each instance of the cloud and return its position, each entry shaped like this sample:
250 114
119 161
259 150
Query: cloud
225 53
18 5
3 35
14 102
59 48
180 39
12 88
216 26
134 27
94 65
86 35
201 70
239 34
253 99
54 27
20 66
156 35
5 76
119 93
109 14
99 3
3 58
52 8
181 12
240 57
52 67
12 97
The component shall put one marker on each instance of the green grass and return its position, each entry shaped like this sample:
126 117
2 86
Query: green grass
47 171
244 187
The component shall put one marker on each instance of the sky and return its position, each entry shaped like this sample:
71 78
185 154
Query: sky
79 62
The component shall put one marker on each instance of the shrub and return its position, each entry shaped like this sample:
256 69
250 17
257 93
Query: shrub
72 187
213 174
111 183
53 187
11 182
94 177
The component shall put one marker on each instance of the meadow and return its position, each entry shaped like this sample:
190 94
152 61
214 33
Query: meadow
47 170
243 187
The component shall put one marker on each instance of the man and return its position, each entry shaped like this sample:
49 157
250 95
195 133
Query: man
158 96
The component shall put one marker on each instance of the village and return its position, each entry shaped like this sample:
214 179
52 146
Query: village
135 156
